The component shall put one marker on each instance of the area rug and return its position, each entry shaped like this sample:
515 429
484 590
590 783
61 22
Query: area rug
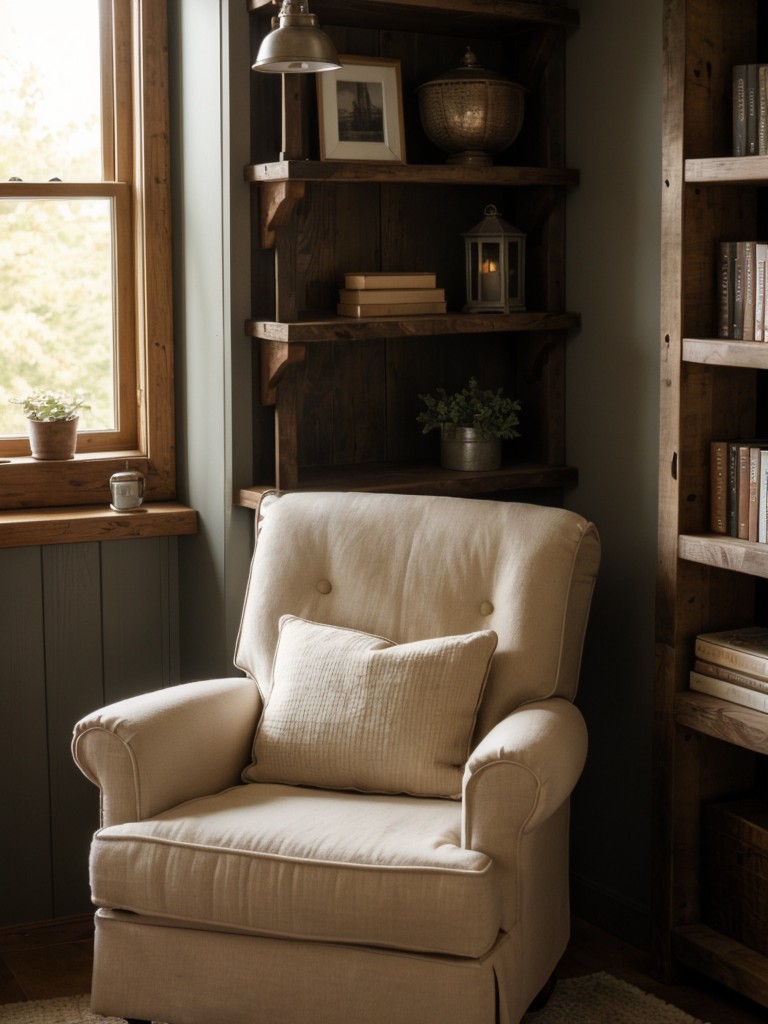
592 999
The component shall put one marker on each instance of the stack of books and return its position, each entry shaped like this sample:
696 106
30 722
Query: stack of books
739 488
381 293
750 110
741 312
733 664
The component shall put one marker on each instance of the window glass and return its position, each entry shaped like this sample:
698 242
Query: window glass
50 90
56 319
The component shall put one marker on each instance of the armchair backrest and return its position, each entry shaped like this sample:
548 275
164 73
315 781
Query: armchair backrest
414 567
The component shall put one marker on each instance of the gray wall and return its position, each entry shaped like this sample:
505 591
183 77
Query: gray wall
614 131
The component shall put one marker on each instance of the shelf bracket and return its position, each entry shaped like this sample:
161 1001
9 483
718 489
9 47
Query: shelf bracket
277 200
275 357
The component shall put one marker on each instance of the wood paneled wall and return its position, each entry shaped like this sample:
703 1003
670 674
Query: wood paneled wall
81 625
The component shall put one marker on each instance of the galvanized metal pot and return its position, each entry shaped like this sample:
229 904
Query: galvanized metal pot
467 449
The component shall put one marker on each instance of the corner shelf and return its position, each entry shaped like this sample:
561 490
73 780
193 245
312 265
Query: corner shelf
420 478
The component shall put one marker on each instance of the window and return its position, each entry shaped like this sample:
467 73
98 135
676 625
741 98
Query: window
85 275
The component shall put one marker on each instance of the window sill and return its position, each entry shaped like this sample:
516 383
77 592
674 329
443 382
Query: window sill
24 527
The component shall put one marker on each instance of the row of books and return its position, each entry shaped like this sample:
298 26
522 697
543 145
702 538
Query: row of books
733 664
742 290
739 489
750 110
383 293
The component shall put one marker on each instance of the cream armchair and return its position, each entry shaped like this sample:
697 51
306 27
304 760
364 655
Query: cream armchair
370 827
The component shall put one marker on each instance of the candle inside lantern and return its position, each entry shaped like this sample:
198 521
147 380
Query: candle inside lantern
490 276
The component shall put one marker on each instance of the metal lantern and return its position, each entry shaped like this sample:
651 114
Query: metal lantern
495 258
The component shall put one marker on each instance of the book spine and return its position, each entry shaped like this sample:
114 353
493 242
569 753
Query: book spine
743 493
762 109
731 657
706 668
752 101
725 290
754 492
737 327
748 326
718 463
393 280
390 309
728 691
733 489
377 296
762 512
740 110
761 251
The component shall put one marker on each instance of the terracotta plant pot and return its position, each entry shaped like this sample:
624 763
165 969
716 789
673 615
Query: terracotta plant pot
54 440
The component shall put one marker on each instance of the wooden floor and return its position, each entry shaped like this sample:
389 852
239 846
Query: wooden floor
43 961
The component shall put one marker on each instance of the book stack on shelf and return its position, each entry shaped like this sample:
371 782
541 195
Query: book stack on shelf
742 291
733 665
750 110
739 489
382 293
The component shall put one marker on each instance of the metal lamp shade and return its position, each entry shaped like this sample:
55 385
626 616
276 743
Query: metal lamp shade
495 266
296 44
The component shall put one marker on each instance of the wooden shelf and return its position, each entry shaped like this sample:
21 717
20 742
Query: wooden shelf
723 720
724 170
460 17
341 328
328 172
22 527
419 478
723 960
723 552
720 352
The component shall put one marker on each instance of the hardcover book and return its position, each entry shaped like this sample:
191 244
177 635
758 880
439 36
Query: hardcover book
389 308
745 649
730 675
376 296
728 691
390 279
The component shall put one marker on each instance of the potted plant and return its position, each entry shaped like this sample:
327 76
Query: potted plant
52 418
472 423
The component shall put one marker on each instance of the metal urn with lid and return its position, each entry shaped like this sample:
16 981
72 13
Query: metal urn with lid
471 112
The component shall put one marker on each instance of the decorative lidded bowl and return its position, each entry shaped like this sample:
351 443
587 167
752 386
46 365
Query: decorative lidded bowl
471 112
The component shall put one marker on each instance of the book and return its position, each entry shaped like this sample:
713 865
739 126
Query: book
740 110
725 289
745 649
762 110
729 691
718 470
762 501
377 296
390 279
761 255
737 324
730 675
389 308
748 317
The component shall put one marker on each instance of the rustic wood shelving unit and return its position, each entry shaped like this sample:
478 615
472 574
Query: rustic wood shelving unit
344 391
706 749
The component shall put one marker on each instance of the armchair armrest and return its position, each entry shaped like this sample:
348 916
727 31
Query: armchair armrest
153 751
520 774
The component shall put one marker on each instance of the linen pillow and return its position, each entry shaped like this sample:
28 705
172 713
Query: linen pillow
348 710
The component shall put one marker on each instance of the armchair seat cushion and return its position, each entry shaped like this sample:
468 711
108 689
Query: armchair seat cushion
307 864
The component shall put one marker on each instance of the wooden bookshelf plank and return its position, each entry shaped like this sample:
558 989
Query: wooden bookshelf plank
21 527
461 16
725 553
725 169
412 174
721 352
723 959
723 720
417 478
335 328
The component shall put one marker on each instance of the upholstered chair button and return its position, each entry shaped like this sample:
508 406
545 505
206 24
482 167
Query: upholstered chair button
486 608
324 587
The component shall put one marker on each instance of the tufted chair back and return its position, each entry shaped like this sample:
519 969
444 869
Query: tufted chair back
381 564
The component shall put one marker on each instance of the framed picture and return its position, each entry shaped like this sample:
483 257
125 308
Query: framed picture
361 111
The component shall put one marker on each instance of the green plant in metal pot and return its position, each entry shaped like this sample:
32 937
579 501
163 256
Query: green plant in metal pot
490 413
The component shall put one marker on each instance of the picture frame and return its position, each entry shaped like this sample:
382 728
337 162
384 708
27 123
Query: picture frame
360 109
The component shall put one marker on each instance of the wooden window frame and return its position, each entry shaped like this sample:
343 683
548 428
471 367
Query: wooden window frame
136 81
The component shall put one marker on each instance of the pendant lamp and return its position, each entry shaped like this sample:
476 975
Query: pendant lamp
296 44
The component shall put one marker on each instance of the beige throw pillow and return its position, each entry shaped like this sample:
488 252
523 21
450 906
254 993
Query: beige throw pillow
349 710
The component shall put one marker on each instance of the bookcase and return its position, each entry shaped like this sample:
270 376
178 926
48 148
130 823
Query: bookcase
706 749
337 397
